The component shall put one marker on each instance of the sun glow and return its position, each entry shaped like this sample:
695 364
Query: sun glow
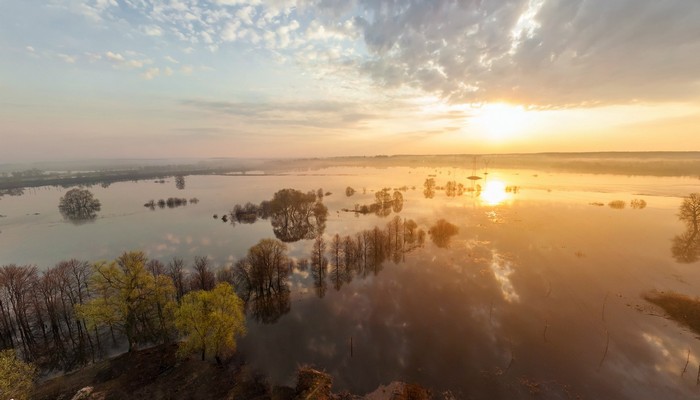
501 121
494 193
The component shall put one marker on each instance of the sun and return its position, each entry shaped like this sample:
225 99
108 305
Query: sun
500 121
494 193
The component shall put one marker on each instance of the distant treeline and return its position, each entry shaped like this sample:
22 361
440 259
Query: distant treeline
621 163
23 179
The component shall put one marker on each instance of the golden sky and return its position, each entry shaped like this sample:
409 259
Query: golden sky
268 78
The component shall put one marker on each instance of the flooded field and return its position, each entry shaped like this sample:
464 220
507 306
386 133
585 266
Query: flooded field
533 283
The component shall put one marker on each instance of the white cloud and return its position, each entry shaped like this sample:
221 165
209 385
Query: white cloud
151 73
152 30
187 69
230 31
171 60
66 58
114 57
246 14
30 49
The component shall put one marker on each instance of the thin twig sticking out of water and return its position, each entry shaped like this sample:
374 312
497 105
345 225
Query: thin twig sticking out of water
544 334
697 381
512 355
605 353
605 300
549 289
687 360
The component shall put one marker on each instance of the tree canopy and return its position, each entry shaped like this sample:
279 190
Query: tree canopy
16 376
79 205
210 321
130 299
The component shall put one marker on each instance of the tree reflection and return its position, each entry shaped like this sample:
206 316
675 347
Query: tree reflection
441 233
79 206
686 246
267 308
429 188
361 254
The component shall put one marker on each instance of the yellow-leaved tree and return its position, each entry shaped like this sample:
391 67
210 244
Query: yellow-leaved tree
16 376
131 300
210 321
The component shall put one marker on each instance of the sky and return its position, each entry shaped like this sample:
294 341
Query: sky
86 79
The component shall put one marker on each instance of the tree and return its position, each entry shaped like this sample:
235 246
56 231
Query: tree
130 299
180 182
79 205
296 215
210 321
203 277
265 268
16 376
690 211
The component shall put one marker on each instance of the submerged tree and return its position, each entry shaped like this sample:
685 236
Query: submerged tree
79 205
296 215
211 321
180 182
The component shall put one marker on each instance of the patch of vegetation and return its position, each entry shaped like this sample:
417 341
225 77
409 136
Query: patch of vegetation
638 204
617 204
680 308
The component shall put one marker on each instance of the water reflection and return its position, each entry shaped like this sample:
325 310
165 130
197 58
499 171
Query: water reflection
267 308
686 246
502 270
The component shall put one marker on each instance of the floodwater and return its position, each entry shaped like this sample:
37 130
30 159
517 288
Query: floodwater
539 293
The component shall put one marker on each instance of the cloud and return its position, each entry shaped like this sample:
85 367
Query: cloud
66 58
315 114
151 73
546 53
152 30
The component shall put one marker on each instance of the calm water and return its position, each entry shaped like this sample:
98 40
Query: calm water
527 297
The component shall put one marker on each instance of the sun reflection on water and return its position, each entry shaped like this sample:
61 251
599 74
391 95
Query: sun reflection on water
494 193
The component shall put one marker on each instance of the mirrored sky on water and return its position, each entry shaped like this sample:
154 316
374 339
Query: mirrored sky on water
539 290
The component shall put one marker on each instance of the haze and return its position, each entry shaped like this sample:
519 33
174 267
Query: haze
233 78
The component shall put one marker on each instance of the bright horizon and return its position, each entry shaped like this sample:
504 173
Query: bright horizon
86 79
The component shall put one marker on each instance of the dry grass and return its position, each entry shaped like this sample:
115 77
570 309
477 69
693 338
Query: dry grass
680 308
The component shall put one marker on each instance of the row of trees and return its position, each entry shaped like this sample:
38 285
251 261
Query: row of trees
72 312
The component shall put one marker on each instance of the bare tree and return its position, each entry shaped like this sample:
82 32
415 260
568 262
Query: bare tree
202 278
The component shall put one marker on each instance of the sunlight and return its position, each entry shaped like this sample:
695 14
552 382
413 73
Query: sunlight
494 193
501 121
